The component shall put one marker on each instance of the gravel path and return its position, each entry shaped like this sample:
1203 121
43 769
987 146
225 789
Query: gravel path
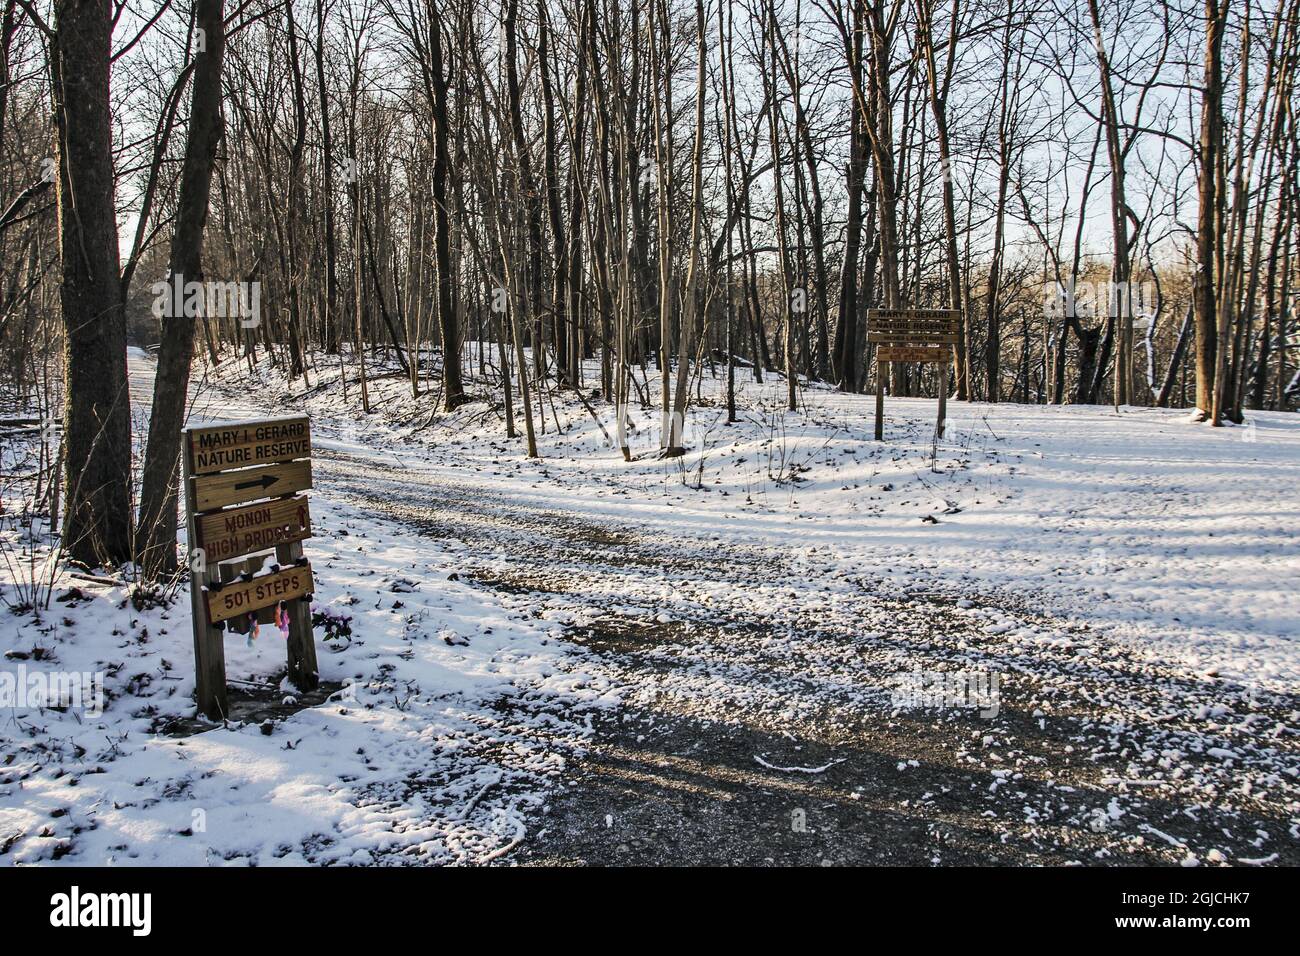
760 722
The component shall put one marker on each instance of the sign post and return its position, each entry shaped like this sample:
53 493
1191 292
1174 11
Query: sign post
242 482
912 335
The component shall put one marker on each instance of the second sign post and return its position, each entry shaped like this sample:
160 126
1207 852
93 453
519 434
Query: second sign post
913 335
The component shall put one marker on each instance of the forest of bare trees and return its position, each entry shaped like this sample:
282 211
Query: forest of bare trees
500 199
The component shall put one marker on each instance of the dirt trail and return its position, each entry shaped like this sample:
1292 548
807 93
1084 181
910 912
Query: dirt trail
758 724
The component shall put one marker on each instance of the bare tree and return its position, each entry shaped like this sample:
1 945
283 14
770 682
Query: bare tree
158 492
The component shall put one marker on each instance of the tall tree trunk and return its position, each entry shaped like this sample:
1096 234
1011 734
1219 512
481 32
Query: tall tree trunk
1121 297
844 353
295 213
816 208
97 410
328 320
778 201
938 92
662 106
1275 263
993 345
725 36
158 491
687 346
453 386
577 209
531 196
1207 223
551 172
881 132
1232 239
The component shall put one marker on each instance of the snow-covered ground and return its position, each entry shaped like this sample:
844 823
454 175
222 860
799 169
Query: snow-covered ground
1135 572
1176 538
409 757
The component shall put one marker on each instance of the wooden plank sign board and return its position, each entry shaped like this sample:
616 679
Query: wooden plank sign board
907 353
239 445
913 315
262 590
242 482
224 535
912 335
912 338
236 487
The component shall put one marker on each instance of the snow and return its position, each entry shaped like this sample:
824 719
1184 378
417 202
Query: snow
1176 539
403 760
822 769
1059 531
398 761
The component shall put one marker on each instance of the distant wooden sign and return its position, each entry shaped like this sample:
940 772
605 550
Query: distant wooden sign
262 590
240 445
912 335
892 337
241 484
908 353
236 487
943 320
238 531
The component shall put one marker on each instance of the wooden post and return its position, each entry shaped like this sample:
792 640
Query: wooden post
943 397
304 672
882 371
209 651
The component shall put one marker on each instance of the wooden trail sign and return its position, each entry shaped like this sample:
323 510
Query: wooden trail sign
235 487
908 353
258 591
242 482
912 335
240 444
239 531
